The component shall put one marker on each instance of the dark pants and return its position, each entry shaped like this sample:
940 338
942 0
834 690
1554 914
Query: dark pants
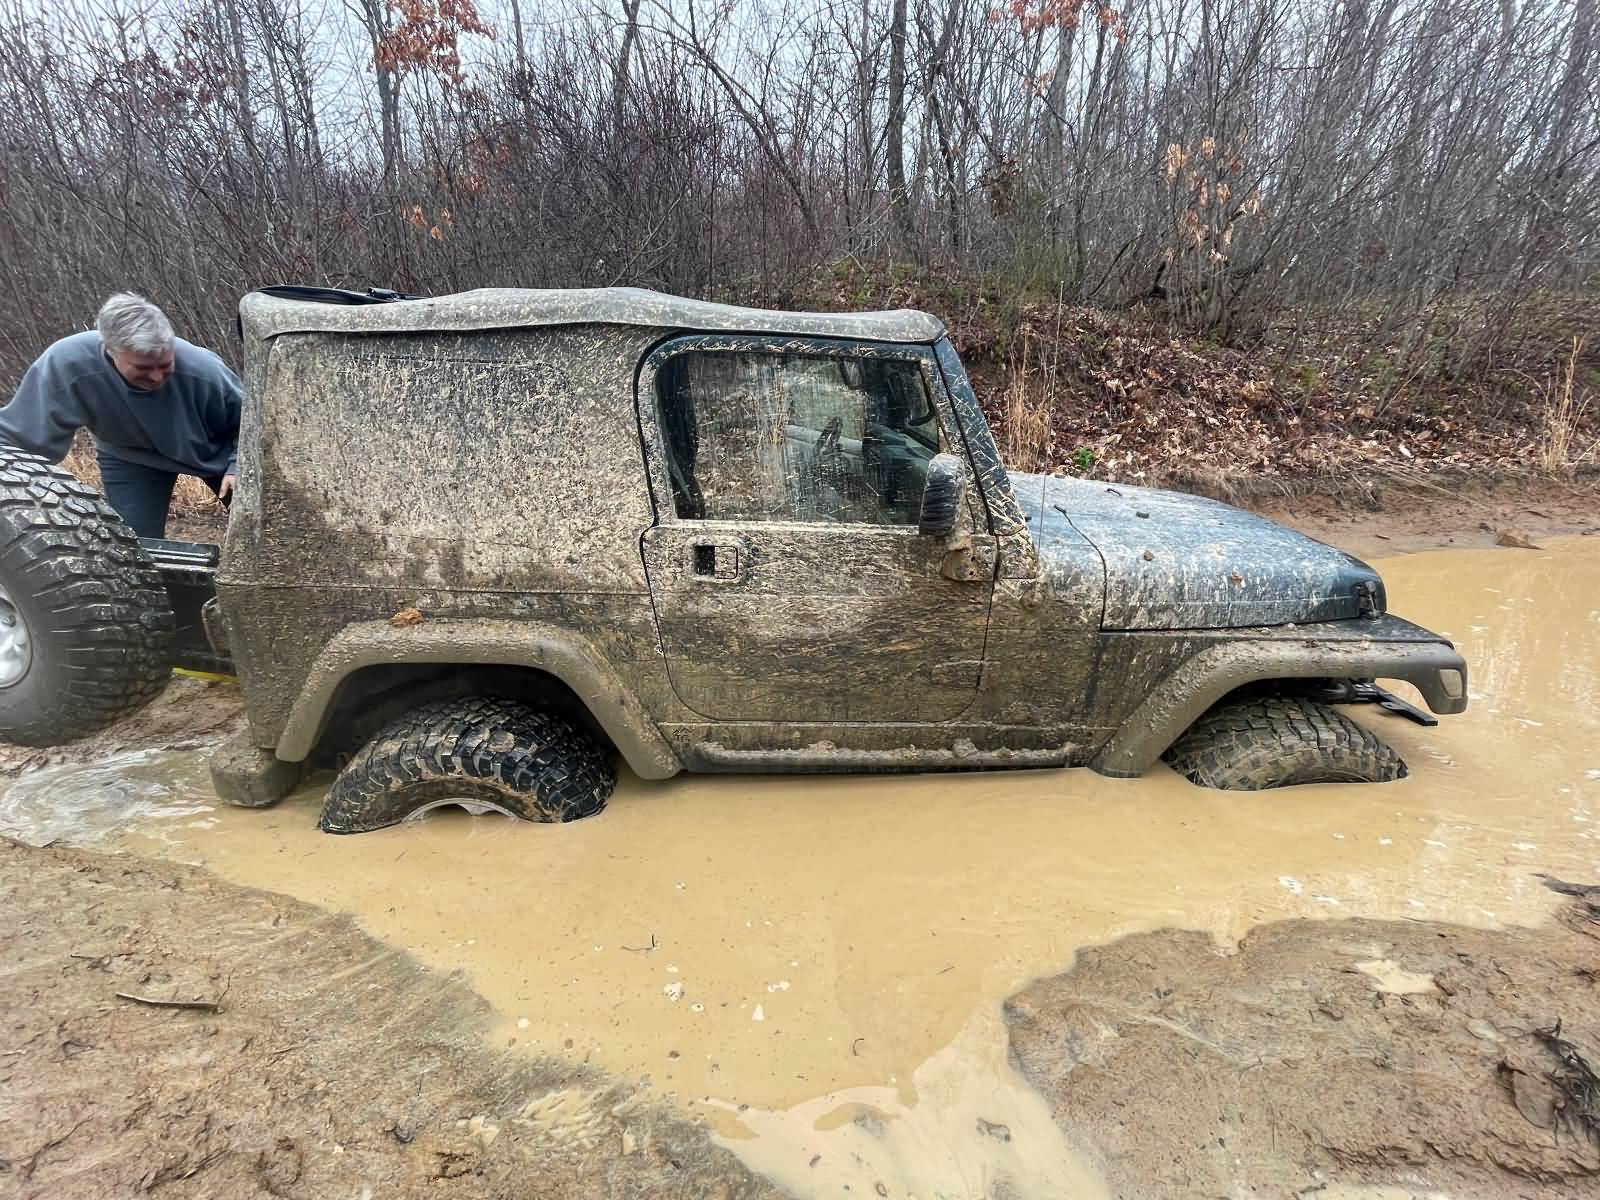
141 494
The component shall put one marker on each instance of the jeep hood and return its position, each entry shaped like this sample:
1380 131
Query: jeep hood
1175 561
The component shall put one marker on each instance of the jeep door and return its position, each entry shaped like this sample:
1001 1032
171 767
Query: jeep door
789 578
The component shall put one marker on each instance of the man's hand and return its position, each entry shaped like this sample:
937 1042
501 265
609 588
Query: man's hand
225 489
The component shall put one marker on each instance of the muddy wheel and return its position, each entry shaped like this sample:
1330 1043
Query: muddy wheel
483 754
1278 741
85 623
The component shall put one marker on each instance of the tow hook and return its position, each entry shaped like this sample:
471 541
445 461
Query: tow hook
1366 691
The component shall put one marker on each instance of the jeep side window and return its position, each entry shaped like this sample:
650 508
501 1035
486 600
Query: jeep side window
794 437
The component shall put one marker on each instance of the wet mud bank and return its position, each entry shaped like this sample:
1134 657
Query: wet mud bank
1418 1056
1373 519
332 1065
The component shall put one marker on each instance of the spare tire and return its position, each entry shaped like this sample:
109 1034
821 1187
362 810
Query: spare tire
85 623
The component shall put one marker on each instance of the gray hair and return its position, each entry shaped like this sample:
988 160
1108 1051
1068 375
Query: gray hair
131 324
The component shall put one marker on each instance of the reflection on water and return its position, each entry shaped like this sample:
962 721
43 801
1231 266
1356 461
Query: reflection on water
831 952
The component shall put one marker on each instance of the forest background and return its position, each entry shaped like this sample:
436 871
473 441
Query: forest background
1210 242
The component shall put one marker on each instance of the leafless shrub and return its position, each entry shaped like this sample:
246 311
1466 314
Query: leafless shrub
1436 164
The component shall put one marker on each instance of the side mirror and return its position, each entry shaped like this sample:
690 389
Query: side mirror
941 495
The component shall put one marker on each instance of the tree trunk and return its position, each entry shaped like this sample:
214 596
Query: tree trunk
516 33
619 78
894 132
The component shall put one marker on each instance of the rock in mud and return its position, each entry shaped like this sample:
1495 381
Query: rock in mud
1515 541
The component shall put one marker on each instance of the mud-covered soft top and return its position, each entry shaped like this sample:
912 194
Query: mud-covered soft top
266 316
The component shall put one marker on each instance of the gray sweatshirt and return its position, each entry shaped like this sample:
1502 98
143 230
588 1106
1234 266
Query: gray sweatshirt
189 425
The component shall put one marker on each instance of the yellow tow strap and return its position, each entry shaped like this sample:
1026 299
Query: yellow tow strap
211 675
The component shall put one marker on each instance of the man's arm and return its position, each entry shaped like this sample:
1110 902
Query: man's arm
222 414
45 412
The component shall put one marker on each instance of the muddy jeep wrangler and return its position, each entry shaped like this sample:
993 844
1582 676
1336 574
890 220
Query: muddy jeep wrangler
485 544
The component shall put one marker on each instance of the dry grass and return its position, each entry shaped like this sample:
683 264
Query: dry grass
1027 404
1029 400
1563 414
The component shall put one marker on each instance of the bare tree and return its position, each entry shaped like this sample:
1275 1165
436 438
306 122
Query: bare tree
1427 168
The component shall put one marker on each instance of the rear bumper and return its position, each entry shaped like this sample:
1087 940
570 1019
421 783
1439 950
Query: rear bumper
1385 648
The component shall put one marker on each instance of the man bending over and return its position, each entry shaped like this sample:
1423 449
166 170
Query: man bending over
158 407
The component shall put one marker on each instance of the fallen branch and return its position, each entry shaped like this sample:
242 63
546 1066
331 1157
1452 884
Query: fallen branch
203 1005
1575 1082
1580 890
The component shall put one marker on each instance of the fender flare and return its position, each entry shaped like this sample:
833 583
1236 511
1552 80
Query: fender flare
481 643
1435 669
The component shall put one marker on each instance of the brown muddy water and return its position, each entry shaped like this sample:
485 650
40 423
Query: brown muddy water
817 964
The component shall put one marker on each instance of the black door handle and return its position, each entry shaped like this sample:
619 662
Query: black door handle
716 561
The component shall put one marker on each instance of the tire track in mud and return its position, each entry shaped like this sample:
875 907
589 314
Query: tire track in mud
336 1066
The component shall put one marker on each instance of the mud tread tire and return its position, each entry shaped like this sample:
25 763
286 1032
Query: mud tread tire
98 615
533 764
1278 741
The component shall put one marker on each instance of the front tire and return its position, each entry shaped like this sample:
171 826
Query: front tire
1279 741
481 753
85 622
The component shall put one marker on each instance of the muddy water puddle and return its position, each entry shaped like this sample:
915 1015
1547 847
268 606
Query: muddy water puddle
814 966
88 803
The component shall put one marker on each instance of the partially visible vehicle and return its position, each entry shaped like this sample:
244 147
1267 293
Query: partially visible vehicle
484 543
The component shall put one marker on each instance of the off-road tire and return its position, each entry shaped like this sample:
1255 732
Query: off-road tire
501 754
1278 741
93 606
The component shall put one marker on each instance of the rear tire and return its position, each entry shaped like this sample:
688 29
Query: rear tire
1279 741
482 753
85 622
